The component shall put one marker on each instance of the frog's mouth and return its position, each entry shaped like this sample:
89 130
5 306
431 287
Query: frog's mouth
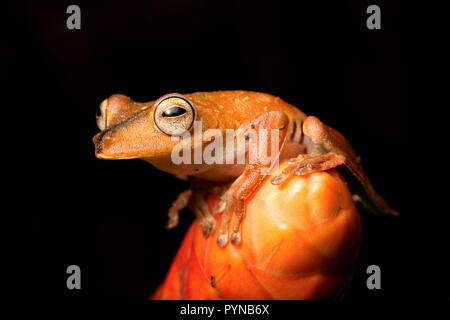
135 137
108 148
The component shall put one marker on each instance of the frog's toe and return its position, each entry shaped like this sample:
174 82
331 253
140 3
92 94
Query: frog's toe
222 239
220 207
279 179
212 223
208 225
172 223
235 238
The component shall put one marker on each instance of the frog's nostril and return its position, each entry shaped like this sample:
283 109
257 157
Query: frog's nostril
101 116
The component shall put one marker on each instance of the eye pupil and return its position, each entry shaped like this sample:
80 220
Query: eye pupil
174 112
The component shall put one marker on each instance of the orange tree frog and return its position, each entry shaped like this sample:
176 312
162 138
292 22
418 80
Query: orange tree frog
151 130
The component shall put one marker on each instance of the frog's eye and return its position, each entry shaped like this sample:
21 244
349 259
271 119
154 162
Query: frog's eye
174 115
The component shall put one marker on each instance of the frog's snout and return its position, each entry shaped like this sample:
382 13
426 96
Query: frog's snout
101 116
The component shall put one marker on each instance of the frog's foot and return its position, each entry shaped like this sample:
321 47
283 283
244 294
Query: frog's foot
225 202
305 164
208 225
196 202
220 192
179 204
234 198
200 208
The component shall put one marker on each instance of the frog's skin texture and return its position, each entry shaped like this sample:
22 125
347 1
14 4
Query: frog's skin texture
144 130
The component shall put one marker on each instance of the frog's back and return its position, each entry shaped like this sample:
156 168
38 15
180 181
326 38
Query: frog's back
235 107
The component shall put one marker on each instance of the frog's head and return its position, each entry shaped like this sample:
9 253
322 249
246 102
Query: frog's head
142 130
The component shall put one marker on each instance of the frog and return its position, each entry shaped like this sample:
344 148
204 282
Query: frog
150 131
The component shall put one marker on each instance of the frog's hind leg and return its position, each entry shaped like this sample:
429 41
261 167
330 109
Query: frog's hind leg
326 149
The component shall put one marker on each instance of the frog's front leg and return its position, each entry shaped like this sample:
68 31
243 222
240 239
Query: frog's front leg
179 204
194 198
326 149
256 168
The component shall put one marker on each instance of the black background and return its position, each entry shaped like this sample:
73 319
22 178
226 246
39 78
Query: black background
109 217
